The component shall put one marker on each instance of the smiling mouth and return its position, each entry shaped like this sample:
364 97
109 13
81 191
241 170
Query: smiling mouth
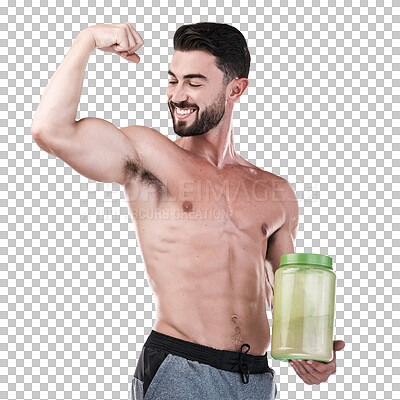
184 113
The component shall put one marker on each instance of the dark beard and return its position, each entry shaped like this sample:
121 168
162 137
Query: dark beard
207 120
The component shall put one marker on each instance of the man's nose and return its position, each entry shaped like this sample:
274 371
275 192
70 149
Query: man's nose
178 94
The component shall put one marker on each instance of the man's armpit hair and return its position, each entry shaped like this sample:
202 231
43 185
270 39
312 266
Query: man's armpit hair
134 170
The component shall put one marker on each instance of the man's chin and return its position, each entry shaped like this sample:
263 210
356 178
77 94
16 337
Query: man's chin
187 134
183 133
181 129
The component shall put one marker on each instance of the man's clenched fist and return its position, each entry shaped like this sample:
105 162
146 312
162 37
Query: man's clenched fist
120 39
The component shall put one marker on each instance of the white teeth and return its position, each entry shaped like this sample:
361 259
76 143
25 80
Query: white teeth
181 111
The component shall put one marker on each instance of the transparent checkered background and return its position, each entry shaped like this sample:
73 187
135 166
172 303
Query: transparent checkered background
321 110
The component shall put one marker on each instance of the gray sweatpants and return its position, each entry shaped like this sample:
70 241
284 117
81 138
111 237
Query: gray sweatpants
179 378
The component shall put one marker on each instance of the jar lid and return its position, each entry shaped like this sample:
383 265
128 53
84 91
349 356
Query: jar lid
313 260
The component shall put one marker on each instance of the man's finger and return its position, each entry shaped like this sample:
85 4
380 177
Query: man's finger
130 57
338 345
321 369
317 375
308 378
300 368
133 57
139 40
302 373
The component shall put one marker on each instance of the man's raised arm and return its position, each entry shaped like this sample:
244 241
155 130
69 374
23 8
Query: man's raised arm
93 147
282 240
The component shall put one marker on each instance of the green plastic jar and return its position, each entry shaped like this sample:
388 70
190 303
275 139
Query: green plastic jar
304 308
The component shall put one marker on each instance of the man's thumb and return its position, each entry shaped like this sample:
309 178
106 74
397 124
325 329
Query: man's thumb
134 58
338 345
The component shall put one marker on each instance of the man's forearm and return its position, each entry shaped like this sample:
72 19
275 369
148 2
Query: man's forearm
59 103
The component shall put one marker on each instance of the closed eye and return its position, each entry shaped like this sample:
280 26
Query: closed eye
190 84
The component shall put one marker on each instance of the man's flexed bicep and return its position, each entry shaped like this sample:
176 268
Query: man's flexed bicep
281 241
93 147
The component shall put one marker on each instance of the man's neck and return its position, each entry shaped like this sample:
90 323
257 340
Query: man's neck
216 146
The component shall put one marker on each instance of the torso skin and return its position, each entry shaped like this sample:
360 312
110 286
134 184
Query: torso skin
204 235
211 226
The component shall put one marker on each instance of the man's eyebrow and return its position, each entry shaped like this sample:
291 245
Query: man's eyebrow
200 76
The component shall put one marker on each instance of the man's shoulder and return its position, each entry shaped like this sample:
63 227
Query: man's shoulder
282 191
284 194
281 184
271 177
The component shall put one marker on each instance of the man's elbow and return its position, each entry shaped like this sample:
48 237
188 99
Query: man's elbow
39 139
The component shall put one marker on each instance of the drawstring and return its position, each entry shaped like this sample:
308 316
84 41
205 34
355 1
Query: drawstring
243 367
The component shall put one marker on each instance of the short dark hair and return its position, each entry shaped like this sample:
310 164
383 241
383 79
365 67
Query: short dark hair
223 41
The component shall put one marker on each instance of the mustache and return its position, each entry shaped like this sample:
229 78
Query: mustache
182 105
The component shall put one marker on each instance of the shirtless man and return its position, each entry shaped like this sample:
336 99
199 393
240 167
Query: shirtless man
211 226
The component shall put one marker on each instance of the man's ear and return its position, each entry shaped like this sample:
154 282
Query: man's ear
237 87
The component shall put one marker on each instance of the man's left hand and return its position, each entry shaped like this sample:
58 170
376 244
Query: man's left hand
314 372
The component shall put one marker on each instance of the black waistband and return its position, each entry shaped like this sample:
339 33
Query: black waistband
222 359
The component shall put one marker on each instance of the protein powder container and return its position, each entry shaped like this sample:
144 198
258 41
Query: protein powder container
304 308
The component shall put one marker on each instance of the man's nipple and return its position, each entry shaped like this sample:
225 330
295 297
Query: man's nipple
187 206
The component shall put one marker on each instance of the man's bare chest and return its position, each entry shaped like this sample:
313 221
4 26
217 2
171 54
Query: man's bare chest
240 198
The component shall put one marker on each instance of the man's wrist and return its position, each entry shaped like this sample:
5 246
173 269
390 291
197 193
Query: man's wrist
87 38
